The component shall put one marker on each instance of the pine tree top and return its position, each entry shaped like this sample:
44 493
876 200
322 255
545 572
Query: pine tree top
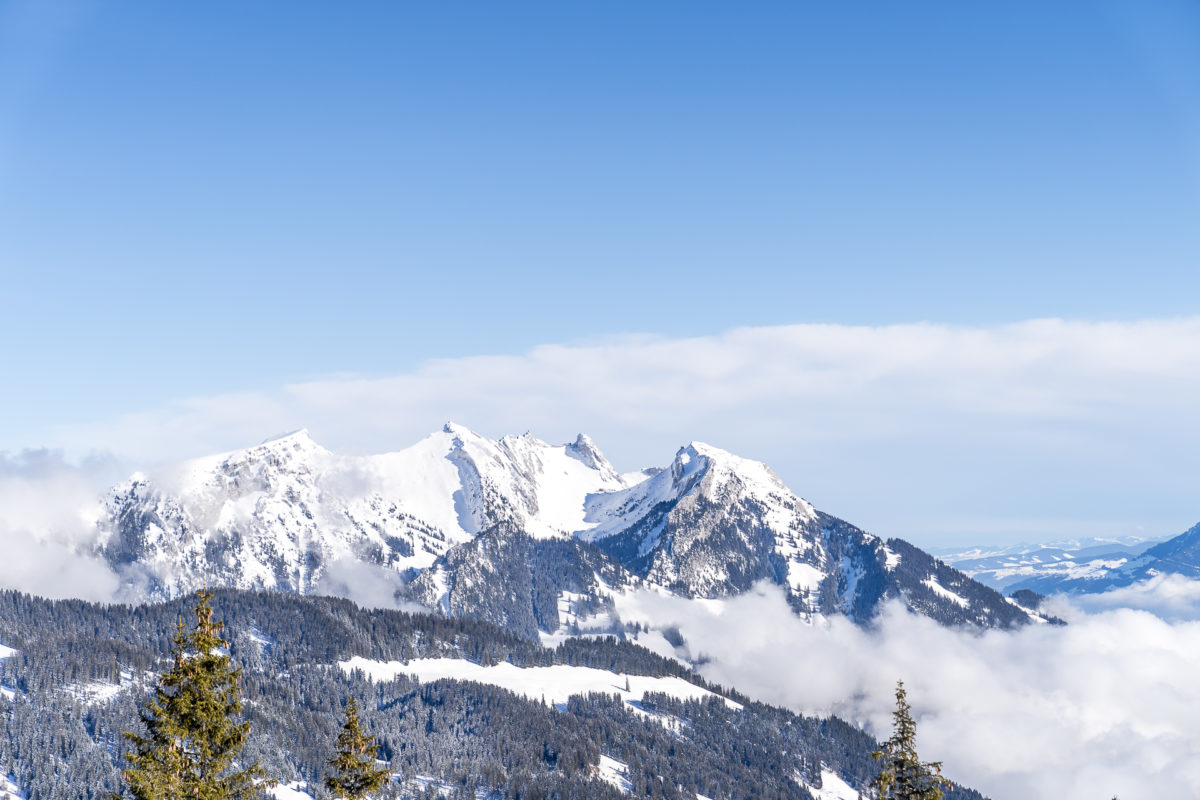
193 738
903 775
352 772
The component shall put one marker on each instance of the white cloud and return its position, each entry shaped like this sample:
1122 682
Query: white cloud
45 531
1106 705
1170 597
916 430
368 585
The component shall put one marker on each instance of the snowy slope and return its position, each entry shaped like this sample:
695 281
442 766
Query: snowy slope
831 787
9 789
8 693
710 524
555 684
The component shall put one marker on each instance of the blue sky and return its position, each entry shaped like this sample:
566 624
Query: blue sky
205 198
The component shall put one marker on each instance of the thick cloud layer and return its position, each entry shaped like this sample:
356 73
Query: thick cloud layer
937 433
1106 705
45 529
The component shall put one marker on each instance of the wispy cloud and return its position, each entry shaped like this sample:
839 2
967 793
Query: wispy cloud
1106 705
921 430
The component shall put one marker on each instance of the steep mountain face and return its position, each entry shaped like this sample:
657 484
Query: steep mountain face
714 524
1091 566
515 531
526 585
1178 556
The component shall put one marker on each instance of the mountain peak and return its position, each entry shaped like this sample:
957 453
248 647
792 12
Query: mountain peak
584 449
460 431
299 435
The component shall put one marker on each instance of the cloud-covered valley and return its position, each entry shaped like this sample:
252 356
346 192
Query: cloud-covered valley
1106 705
45 528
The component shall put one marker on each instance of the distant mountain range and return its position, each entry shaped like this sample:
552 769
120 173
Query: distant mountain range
1079 566
533 536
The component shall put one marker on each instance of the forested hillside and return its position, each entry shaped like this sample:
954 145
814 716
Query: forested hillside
81 671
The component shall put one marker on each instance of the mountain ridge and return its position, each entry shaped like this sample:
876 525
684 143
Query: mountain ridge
286 513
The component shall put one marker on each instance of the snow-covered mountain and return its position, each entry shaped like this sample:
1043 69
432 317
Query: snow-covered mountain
277 515
516 531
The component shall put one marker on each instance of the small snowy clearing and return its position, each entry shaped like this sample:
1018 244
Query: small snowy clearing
615 773
942 591
893 558
803 576
572 625
8 693
99 691
9 789
259 638
555 684
832 787
291 791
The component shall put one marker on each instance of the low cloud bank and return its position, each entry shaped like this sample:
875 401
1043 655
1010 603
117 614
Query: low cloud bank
368 585
1106 705
1170 597
1032 430
45 531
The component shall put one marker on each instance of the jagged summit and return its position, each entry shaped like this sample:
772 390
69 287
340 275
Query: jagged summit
584 449
299 434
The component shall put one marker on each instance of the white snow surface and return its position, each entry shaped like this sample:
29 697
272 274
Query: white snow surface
9 790
615 773
97 692
556 684
5 691
942 591
832 787
291 791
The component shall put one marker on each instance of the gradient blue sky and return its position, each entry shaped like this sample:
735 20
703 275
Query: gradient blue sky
206 197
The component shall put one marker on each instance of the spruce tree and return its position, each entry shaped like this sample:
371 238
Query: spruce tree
352 772
192 739
904 776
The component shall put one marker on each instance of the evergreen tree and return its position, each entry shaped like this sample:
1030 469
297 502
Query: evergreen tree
904 776
352 772
192 740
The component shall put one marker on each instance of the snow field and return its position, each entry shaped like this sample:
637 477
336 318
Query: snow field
615 773
832 787
291 791
9 789
10 695
555 684
941 591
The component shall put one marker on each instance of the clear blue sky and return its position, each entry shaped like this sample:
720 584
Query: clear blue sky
198 197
